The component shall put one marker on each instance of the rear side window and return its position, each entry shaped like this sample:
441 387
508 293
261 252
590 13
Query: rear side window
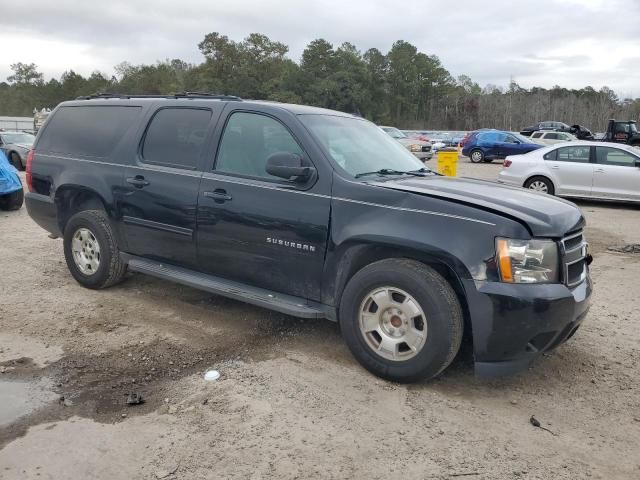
176 136
536 135
91 131
574 154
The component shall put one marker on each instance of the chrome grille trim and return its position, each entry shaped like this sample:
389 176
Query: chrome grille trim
576 253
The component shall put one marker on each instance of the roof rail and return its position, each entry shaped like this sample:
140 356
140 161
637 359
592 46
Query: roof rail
212 96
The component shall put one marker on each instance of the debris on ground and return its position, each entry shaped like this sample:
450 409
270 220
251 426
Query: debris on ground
629 248
134 399
212 375
65 401
536 423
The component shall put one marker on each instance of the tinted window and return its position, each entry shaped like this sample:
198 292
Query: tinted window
92 131
536 135
614 156
552 136
552 155
175 137
573 154
492 137
248 140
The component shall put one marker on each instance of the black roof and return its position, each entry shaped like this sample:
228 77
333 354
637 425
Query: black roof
290 107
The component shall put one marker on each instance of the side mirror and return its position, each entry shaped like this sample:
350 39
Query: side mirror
288 166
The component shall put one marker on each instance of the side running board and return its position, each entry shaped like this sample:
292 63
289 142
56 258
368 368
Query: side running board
279 302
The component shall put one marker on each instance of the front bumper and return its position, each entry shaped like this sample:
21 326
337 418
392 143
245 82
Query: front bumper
513 324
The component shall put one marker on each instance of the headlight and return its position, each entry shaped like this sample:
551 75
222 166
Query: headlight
527 261
415 148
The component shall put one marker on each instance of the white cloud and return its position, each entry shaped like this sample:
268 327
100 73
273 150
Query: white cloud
572 43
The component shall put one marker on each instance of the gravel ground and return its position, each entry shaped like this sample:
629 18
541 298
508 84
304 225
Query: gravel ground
291 401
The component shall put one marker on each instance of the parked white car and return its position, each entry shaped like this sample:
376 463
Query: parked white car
609 171
545 137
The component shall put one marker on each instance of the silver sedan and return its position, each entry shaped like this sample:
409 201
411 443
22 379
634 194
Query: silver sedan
609 171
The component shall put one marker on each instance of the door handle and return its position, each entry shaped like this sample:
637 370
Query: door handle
219 195
556 167
599 170
138 181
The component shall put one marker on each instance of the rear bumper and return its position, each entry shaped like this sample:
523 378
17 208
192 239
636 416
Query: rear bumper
42 209
506 178
514 324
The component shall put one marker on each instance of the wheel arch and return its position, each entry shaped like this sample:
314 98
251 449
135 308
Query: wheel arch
541 175
71 199
355 255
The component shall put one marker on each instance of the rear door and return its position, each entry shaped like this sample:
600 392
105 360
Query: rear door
256 228
161 184
571 170
616 174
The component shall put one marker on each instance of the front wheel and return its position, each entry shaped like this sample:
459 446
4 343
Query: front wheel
401 320
540 184
477 156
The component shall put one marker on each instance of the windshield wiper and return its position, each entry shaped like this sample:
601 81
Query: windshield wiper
388 171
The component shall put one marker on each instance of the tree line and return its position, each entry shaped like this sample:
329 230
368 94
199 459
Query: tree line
402 87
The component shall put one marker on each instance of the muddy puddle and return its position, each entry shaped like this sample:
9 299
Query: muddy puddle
19 398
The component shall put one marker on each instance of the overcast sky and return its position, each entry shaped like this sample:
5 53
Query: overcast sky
572 43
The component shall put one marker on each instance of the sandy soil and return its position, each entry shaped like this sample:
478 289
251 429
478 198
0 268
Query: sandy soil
291 401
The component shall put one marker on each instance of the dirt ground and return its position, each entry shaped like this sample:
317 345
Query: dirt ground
291 401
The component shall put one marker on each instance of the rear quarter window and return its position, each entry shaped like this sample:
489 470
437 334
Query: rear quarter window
91 131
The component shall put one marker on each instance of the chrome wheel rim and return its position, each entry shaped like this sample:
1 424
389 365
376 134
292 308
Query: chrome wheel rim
86 251
476 156
393 323
539 186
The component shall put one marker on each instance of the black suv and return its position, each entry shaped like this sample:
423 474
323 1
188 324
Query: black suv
313 213
555 126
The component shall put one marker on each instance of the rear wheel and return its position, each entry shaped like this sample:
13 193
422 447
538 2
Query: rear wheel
401 320
476 156
14 158
12 201
540 184
91 250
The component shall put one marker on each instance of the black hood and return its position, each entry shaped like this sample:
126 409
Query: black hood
544 215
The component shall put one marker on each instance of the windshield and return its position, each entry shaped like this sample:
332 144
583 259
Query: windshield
394 132
17 137
359 146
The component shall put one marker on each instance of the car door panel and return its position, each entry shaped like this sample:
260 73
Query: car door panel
160 189
616 175
572 171
262 231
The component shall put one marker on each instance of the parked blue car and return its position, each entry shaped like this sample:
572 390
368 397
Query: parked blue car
488 145
11 193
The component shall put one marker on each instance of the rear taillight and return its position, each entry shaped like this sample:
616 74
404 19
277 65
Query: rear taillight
506 163
28 170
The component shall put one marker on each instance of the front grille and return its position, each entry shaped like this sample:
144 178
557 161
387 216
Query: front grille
426 148
574 253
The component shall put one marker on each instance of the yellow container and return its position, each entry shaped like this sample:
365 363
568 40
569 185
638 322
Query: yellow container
448 162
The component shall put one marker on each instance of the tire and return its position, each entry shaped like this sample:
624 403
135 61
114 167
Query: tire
12 201
15 160
439 310
90 228
540 184
476 156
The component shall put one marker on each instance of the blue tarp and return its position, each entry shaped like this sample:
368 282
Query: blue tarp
9 180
